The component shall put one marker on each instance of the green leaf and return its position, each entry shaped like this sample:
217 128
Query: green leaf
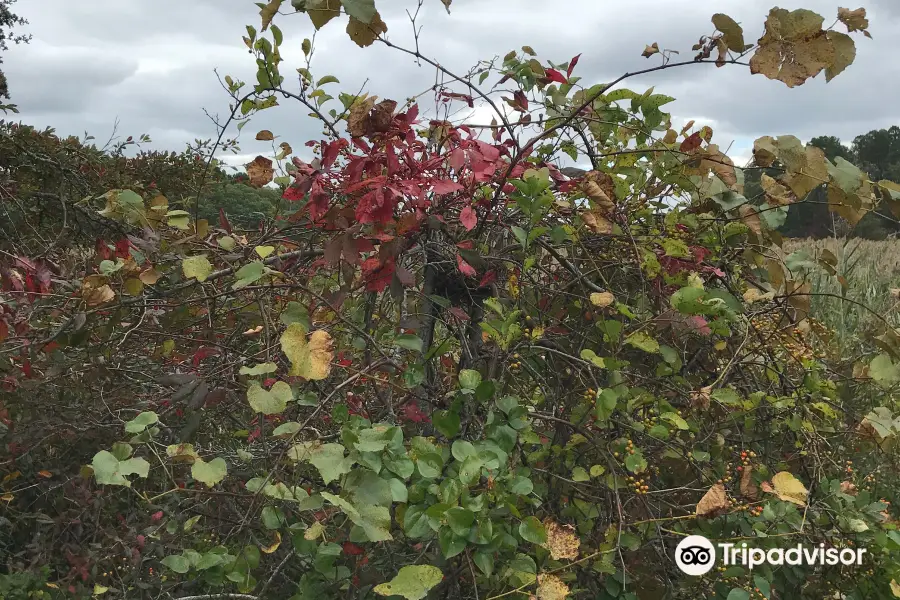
327 79
738 594
450 543
469 379
883 370
580 474
270 402
430 465
675 420
260 369
196 266
462 450
447 422
248 274
141 422
643 341
408 341
460 520
485 562
177 563
764 587
109 470
521 486
412 582
590 356
295 312
211 472
533 531
636 462
180 219
329 459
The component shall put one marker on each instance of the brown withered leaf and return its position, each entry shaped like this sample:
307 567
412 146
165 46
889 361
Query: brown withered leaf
855 20
720 164
806 171
650 50
100 295
849 488
750 218
764 151
260 171
597 222
358 119
749 489
600 189
701 398
793 48
363 34
714 502
265 135
776 194
561 540
382 115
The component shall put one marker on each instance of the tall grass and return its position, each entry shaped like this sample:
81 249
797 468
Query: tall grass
870 271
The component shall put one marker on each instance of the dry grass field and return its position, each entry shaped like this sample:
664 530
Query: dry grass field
871 270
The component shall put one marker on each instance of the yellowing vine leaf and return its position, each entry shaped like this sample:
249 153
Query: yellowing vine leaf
776 194
268 13
274 545
793 48
211 472
551 587
309 359
321 11
714 502
196 266
363 34
412 582
732 33
788 488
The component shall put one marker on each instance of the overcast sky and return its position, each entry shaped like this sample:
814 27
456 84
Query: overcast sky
150 63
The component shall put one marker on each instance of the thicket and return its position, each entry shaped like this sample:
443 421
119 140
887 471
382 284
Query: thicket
450 371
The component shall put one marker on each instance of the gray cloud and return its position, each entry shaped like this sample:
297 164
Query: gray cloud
150 63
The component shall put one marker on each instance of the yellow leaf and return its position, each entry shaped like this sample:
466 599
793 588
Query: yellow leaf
196 266
274 546
52 586
100 589
551 587
268 13
895 588
788 488
314 531
714 502
754 295
7 497
264 251
776 194
309 359
602 299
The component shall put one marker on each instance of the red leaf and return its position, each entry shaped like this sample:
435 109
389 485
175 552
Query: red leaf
464 267
554 75
691 143
352 549
699 324
572 64
459 313
445 186
466 244
293 193
156 516
489 278
468 218
377 275
223 221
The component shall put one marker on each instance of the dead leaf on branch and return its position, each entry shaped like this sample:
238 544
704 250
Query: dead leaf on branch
597 222
776 194
749 489
363 34
714 502
750 218
788 488
720 164
367 118
650 50
561 540
265 135
260 171
268 12
600 190
793 48
701 398
855 20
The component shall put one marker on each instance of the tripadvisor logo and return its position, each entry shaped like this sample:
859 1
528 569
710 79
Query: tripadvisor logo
696 555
